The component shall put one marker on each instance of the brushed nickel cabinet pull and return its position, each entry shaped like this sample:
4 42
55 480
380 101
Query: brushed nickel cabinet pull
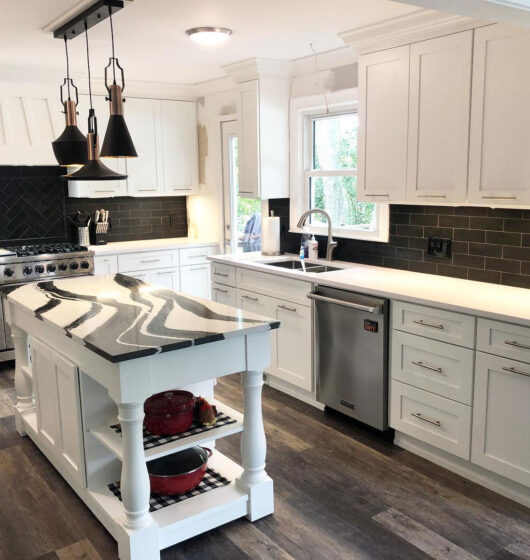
424 324
425 366
199 268
516 344
499 197
374 194
105 190
293 309
419 416
219 290
220 274
250 298
187 189
518 371
147 190
197 256
149 261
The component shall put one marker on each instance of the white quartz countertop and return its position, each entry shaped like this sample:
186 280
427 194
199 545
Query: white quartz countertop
148 245
465 296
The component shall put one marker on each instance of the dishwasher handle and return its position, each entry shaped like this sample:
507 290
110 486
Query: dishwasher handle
375 309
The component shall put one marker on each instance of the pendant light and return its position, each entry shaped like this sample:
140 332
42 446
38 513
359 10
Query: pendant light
70 148
118 142
93 170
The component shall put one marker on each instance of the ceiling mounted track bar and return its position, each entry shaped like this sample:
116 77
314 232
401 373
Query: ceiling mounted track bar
93 15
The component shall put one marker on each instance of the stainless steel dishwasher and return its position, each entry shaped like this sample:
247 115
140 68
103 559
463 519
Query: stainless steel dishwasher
352 354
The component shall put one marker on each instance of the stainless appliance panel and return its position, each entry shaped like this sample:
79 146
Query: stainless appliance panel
352 354
4 327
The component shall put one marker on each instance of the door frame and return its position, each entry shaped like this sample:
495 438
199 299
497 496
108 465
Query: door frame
228 127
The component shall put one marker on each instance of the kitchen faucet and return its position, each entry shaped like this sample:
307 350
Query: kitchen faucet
331 244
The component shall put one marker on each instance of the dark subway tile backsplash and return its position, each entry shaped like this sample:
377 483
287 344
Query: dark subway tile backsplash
488 245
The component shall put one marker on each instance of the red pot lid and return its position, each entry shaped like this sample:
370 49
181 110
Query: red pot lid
169 402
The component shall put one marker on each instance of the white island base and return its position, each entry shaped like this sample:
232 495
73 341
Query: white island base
68 397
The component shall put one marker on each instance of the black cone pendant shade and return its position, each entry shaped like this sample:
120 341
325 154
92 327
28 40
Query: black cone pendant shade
118 141
71 147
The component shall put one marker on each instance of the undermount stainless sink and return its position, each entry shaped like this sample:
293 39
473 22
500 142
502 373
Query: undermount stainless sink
297 265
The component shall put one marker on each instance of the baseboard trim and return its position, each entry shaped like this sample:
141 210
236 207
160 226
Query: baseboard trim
300 394
512 490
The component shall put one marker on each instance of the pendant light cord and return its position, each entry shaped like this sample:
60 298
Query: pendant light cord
67 67
88 66
112 41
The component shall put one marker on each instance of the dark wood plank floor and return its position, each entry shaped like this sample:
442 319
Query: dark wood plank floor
342 492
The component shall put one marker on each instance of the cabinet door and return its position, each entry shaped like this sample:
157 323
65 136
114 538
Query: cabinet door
224 294
105 265
195 280
249 145
383 125
439 118
180 147
143 275
58 412
166 277
294 352
501 417
499 166
146 171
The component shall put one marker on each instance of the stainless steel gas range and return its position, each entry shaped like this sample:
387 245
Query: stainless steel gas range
31 263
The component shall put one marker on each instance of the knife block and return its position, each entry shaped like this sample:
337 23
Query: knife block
100 232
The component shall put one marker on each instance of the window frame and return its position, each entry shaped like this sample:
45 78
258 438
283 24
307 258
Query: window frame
303 111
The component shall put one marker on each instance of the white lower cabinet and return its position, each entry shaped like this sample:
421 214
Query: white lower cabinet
105 265
143 275
195 280
224 294
435 420
501 417
167 277
56 386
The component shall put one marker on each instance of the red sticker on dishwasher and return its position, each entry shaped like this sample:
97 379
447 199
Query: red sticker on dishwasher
371 326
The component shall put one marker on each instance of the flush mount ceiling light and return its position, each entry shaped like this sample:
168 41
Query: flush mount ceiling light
70 148
209 35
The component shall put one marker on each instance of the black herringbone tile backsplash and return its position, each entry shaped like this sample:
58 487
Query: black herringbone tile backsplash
32 204
488 245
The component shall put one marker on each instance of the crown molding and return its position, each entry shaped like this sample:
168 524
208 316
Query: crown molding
255 68
409 28
327 60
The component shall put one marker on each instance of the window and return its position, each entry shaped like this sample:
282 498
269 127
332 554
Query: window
324 169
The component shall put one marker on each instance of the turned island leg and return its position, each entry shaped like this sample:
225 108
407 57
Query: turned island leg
23 377
254 479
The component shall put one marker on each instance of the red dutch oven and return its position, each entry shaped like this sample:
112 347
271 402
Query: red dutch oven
169 413
180 472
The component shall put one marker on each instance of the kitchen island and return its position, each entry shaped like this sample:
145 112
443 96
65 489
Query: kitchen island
89 351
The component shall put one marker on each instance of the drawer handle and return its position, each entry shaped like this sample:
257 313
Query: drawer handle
376 194
105 190
250 298
424 324
425 366
149 261
199 268
219 274
513 370
219 290
197 256
419 416
165 273
293 309
516 344
175 189
147 190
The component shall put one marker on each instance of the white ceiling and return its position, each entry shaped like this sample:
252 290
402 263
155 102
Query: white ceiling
150 39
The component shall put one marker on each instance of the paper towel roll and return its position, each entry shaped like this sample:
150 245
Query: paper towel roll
270 238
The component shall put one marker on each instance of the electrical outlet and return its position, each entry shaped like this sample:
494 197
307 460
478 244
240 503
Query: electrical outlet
439 247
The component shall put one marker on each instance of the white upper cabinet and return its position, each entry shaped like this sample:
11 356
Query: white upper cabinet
383 125
146 175
263 117
180 147
438 129
499 166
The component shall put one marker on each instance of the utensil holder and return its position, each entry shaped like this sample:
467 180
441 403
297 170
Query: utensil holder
83 236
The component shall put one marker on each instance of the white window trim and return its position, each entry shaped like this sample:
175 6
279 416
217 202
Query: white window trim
302 109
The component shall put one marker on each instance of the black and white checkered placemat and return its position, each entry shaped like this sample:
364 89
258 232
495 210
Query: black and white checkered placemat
212 479
150 440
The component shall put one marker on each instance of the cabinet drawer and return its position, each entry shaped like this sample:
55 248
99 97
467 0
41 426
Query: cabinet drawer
106 264
144 261
224 294
446 326
196 255
435 420
503 339
438 367
276 286
143 275
223 274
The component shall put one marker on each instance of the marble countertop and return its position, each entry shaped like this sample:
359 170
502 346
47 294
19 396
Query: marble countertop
148 245
493 301
122 318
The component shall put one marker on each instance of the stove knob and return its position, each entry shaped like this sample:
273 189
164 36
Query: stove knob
63 267
39 269
74 266
27 270
51 268
85 264
8 272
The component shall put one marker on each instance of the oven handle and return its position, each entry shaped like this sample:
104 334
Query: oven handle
368 308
